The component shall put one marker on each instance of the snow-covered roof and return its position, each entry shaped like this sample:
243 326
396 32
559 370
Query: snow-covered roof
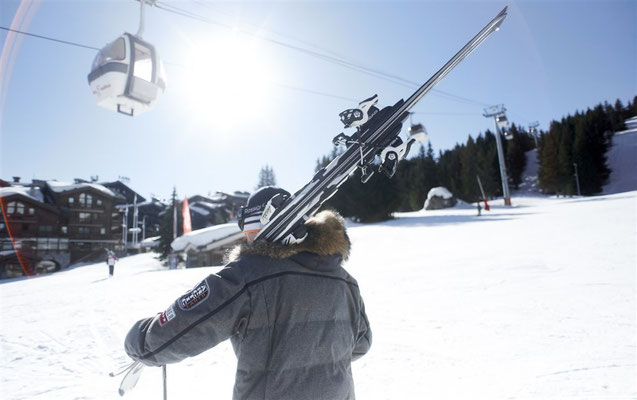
59 187
209 204
32 192
140 204
199 210
150 242
205 236
440 192
219 196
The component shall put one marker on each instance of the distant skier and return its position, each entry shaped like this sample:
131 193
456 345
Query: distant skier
111 259
294 316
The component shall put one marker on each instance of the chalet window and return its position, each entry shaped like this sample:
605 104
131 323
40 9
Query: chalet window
20 208
84 217
31 211
96 217
64 230
25 227
71 201
89 200
83 230
45 229
83 200
11 207
99 202
1 227
102 231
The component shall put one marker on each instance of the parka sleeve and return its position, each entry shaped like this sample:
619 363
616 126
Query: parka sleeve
210 313
364 337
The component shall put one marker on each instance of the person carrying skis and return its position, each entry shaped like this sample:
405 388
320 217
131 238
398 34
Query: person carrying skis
295 317
111 259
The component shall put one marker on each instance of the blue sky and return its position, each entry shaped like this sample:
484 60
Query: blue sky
235 102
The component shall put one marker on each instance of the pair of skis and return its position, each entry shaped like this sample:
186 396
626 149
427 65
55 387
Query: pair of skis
376 135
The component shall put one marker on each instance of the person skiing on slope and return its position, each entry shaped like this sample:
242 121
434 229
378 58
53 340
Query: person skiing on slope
111 259
295 317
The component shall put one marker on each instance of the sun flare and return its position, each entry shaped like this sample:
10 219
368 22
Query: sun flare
229 81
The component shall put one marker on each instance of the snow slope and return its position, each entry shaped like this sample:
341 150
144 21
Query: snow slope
536 301
529 184
622 160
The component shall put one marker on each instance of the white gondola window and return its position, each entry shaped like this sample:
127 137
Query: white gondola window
142 86
143 68
113 52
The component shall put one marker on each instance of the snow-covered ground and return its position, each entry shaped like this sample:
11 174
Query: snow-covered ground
535 301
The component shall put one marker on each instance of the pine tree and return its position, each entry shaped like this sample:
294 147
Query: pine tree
166 227
488 167
547 175
469 165
566 184
266 177
431 176
516 157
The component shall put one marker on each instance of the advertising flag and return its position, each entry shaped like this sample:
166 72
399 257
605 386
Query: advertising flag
185 212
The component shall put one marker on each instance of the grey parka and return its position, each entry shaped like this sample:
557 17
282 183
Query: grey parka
294 316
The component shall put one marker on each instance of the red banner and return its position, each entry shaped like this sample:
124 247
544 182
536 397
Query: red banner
185 212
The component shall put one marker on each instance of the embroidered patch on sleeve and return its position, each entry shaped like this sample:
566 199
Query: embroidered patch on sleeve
166 316
194 297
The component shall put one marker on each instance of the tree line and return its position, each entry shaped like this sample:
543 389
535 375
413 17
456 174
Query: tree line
583 139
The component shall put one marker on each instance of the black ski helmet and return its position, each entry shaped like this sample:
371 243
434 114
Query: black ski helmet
249 216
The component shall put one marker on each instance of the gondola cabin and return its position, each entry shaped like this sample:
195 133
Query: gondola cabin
127 76
415 129
503 124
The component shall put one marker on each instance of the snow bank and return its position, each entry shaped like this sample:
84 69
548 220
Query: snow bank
440 192
150 242
203 237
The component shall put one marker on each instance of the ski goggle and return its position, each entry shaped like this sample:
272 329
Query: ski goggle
240 217
249 215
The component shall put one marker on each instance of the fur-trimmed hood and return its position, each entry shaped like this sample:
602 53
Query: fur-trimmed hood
326 236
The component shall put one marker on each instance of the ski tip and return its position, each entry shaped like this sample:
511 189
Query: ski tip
500 17
121 392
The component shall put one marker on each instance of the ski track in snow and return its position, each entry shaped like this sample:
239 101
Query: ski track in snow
535 301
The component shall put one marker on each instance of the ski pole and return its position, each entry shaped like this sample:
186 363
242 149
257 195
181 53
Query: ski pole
163 368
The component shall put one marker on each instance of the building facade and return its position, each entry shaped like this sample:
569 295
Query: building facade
48 225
